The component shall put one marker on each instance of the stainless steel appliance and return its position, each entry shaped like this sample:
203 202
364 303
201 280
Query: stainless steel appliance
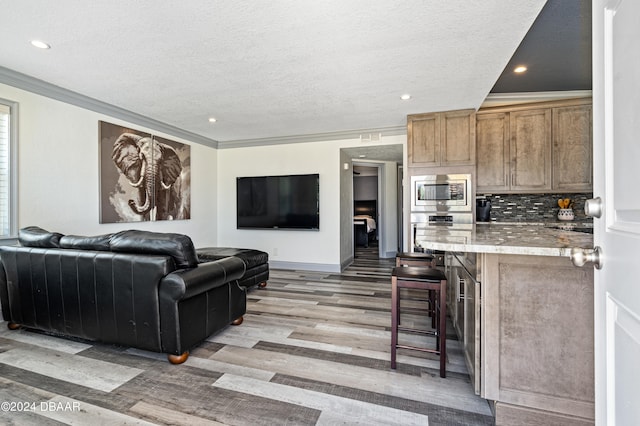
449 193
440 204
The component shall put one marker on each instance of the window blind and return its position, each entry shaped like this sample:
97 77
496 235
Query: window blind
5 208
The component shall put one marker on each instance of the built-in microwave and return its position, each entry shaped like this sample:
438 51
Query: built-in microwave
433 193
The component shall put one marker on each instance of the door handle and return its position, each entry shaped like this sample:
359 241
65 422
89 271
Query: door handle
593 207
580 257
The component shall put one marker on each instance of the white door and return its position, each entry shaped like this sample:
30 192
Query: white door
616 131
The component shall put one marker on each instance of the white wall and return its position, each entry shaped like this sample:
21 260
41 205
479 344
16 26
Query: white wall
58 172
314 250
346 210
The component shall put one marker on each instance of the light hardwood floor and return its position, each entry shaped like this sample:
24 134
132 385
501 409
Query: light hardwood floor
313 350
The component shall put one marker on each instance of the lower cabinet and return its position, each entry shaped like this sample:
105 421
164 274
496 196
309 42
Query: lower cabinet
464 310
471 341
537 340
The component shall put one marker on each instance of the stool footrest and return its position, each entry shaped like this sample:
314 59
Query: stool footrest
417 331
414 348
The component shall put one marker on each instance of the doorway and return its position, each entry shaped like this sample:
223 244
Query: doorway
367 201
387 159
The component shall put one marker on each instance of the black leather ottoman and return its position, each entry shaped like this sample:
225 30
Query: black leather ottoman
256 261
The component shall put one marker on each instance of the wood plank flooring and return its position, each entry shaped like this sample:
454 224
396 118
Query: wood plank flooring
314 349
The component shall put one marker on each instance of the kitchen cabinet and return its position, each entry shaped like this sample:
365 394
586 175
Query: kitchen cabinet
464 310
471 341
537 339
528 321
450 264
530 135
453 290
455 309
492 148
441 139
572 148
530 148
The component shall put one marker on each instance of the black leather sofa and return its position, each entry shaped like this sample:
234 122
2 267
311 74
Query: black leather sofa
139 289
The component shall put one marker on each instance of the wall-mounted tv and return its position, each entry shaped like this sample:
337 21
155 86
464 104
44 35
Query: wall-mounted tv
278 202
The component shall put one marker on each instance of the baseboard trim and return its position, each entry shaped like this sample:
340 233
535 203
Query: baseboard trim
315 267
389 254
345 264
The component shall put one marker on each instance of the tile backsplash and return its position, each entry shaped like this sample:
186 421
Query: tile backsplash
534 207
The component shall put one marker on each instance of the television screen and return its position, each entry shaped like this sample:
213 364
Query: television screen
278 202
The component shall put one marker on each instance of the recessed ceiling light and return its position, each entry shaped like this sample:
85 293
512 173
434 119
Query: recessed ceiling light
212 120
40 44
520 69
362 156
405 97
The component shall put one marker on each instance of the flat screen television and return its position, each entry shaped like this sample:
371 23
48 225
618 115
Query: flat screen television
278 202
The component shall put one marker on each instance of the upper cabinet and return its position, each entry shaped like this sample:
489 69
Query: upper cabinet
539 147
493 159
530 132
441 139
572 148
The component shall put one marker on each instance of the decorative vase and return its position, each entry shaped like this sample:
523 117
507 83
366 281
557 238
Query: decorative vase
565 214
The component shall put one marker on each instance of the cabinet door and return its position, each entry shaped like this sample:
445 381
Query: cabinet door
458 324
572 148
471 344
458 143
442 139
530 147
449 274
456 312
423 135
453 292
492 152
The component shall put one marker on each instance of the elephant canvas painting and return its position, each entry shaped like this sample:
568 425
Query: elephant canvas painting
142 177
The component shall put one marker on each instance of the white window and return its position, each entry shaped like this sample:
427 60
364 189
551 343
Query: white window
8 130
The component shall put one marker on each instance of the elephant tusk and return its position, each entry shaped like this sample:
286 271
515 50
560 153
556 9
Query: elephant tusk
139 182
164 185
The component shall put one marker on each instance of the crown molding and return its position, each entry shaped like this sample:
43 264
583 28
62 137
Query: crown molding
315 137
499 99
41 87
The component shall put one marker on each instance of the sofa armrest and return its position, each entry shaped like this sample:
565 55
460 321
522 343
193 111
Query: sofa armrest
185 283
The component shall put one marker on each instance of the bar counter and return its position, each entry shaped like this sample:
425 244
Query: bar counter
502 238
524 318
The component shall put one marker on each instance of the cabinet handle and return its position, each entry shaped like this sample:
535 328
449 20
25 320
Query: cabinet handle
461 284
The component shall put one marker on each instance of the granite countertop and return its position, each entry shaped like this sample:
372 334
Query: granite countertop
510 238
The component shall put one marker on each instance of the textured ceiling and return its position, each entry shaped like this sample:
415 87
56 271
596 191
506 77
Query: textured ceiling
269 69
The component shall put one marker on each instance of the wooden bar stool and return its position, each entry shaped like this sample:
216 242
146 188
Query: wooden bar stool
422 278
419 259
415 259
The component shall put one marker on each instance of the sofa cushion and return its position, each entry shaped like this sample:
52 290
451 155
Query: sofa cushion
34 236
178 246
79 242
